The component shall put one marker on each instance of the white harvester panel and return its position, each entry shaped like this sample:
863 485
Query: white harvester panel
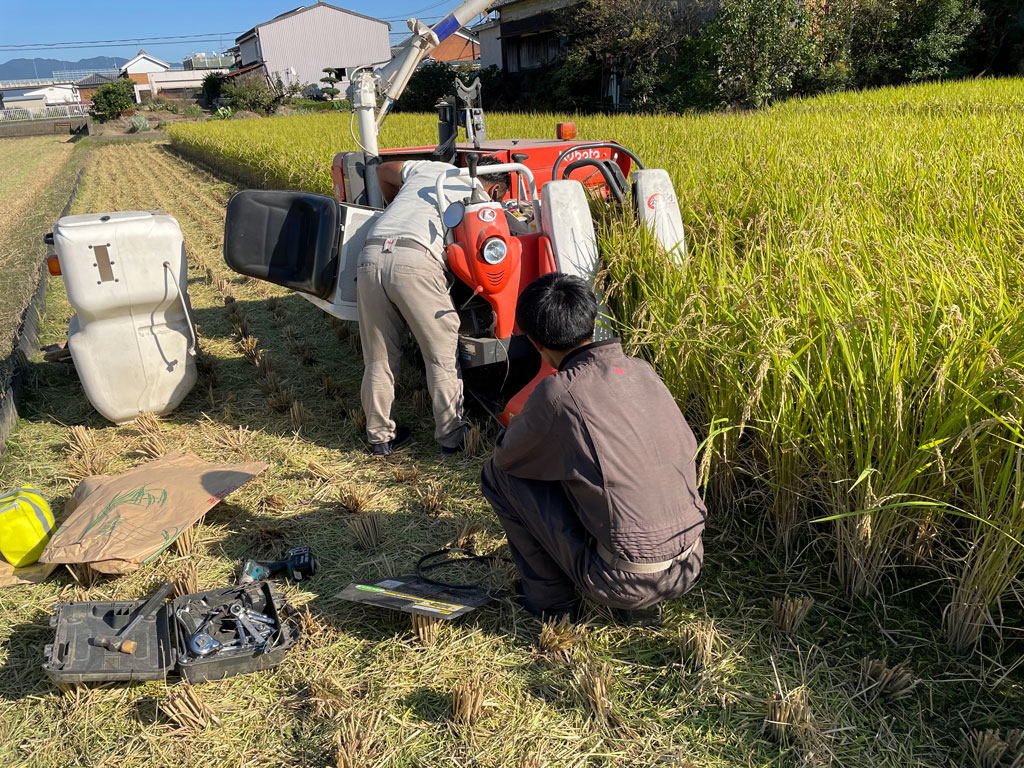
132 339
566 221
357 221
658 208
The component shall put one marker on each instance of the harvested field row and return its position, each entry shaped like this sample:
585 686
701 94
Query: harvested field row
36 177
30 166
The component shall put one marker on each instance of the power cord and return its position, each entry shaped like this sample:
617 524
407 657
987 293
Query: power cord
424 565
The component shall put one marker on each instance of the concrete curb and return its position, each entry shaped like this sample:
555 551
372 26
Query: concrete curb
27 344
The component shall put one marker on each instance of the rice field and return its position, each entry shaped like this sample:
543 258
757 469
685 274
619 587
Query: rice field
846 333
760 665
770 661
35 180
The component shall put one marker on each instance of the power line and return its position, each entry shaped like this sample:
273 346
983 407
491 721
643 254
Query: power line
121 40
184 41
410 14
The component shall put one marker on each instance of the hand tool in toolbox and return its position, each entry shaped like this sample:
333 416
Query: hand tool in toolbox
299 564
230 624
120 641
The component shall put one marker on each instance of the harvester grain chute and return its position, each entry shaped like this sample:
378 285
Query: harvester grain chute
311 243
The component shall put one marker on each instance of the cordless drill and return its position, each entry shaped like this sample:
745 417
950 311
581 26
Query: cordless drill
299 564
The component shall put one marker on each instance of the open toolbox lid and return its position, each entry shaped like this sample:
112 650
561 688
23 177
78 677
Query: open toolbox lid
74 658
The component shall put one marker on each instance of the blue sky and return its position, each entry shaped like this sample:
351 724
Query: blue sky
64 21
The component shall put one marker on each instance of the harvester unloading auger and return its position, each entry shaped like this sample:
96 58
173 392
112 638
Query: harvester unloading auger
311 243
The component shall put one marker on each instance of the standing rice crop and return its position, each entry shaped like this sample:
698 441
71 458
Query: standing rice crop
846 329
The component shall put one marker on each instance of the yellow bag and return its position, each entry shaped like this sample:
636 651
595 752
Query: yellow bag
25 526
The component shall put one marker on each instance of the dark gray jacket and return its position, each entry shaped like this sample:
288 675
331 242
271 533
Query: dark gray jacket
606 427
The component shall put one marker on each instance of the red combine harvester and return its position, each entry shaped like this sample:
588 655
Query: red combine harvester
311 243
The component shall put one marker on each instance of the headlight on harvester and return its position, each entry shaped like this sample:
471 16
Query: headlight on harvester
494 250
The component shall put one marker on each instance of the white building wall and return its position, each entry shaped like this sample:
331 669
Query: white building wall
57 94
179 79
250 51
144 66
23 102
490 46
298 47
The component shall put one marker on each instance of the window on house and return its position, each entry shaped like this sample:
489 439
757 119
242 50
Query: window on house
530 52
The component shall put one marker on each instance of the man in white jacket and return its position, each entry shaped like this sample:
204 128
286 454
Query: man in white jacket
402 279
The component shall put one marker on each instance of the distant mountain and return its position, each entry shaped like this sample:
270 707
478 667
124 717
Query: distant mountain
22 69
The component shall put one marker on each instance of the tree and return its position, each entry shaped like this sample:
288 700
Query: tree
636 42
762 47
212 87
253 95
331 79
997 44
898 41
112 99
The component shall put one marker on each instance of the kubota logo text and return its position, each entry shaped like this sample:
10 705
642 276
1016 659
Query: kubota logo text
583 154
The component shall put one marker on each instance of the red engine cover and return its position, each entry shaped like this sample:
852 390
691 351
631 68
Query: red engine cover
497 283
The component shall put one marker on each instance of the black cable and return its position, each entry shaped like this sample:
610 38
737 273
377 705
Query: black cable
422 566
484 405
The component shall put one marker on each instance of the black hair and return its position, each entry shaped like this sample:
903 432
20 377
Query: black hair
557 311
493 178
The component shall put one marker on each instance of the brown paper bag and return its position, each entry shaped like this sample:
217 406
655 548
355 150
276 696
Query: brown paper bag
119 523
30 574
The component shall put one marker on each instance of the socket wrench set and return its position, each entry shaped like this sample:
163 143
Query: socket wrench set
232 631
203 636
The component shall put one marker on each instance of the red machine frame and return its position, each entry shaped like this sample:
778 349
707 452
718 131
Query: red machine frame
539 155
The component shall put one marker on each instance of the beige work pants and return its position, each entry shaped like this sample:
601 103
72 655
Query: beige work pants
407 286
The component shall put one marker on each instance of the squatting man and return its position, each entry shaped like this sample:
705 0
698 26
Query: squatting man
594 481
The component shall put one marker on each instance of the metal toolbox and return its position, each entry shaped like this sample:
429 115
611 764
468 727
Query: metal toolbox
263 598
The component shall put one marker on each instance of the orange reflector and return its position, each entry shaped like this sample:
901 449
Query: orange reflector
565 131
53 265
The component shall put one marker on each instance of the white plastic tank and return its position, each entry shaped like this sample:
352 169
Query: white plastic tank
132 340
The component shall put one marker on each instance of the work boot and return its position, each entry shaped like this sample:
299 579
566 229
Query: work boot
643 617
452 450
571 611
382 450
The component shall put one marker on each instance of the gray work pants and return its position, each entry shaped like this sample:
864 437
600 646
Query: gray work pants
555 555
407 287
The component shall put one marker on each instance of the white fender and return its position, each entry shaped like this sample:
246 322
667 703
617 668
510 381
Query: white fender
658 208
566 220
